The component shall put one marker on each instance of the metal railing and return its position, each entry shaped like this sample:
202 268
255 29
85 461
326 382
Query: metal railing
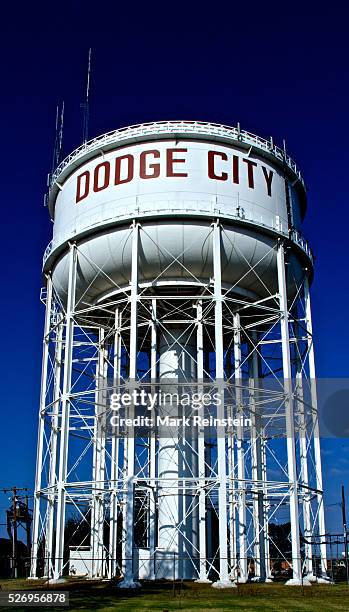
229 133
188 208
299 239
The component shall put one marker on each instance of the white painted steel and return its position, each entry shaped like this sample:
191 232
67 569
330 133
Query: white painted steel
221 442
177 525
174 129
39 457
177 179
128 514
114 467
240 452
64 424
316 434
290 433
152 448
185 269
53 449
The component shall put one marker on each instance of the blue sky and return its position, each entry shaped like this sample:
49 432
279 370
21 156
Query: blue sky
280 69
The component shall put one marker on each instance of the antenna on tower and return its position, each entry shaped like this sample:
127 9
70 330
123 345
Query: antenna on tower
85 104
55 143
57 150
60 138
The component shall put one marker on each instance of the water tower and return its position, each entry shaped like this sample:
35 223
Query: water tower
177 265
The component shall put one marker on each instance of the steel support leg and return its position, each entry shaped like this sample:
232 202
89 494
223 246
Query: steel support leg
221 459
256 465
152 448
316 434
203 578
41 427
128 519
290 431
303 456
114 467
97 510
65 413
53 449
240 452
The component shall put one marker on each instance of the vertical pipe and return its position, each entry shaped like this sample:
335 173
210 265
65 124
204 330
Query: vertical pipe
53 447
221 459
128 518
232 513
303 456
114 462
262 471
265 506
177 527
41 427
289 416
316 433
65 413
256 464
231 476
152 447
203 578
97 511
240 451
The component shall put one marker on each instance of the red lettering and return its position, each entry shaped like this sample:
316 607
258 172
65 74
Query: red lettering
80 196
211 169
268 175
170 161
235 169
106 168
250 166
143 165
130 169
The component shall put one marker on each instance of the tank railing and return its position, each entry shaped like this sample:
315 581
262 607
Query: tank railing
173 207
48 250
299 239
173 127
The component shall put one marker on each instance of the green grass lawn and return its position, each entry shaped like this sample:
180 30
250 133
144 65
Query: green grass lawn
190 597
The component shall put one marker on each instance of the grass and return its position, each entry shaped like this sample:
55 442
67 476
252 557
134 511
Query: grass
189 597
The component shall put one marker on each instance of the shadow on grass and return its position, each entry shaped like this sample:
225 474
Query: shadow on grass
190 597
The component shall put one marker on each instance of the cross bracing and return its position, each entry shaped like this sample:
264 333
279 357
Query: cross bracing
157 501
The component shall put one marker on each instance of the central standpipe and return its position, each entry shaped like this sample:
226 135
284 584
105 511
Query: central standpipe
177 459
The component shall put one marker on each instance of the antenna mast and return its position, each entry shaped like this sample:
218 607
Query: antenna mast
56 139
86 103
57 150
60 136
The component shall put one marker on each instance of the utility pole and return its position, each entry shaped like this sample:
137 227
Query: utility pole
14 520
344 520
27 528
